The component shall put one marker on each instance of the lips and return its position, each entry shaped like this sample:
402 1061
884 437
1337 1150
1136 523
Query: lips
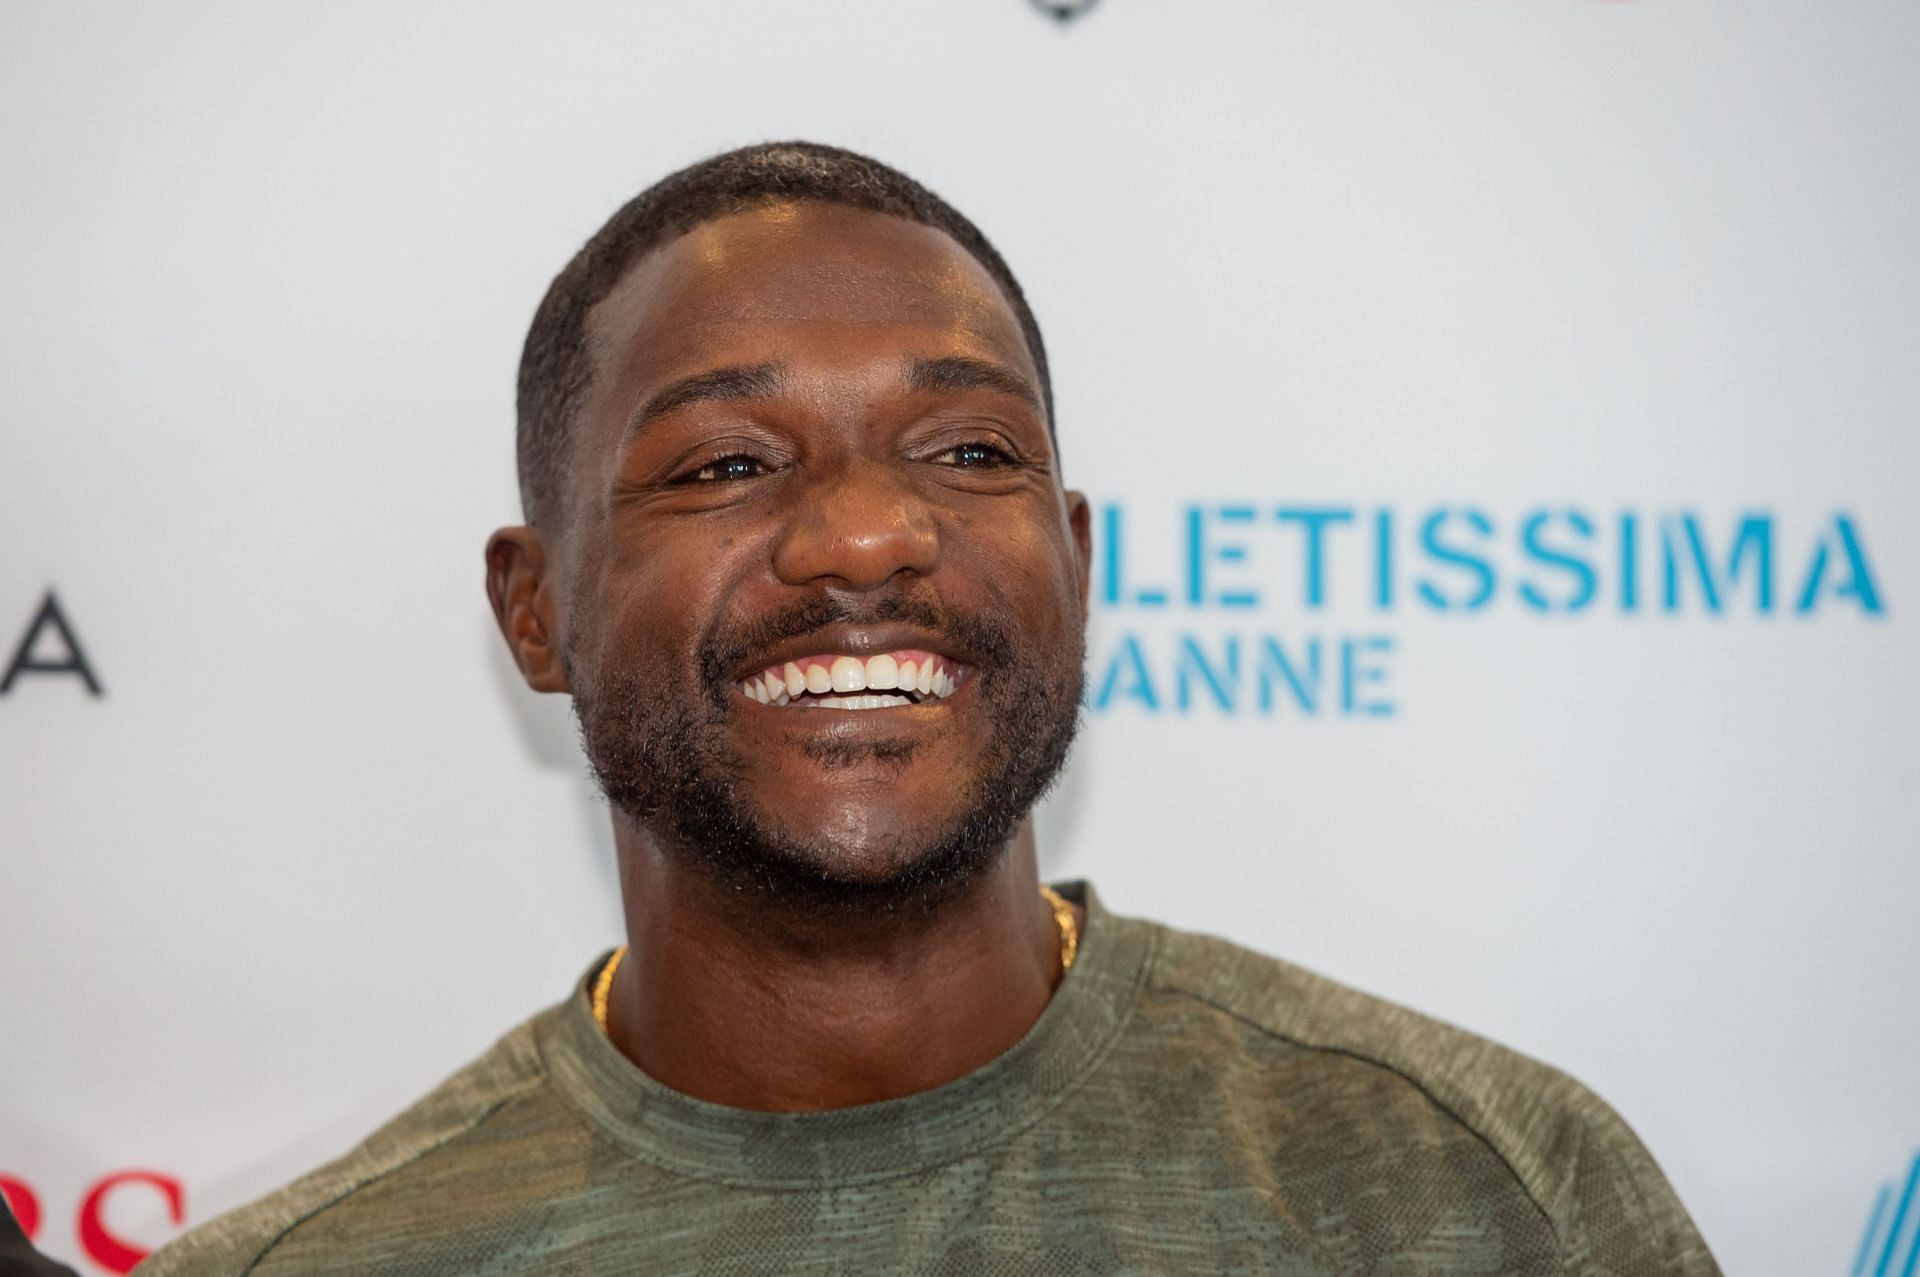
845 680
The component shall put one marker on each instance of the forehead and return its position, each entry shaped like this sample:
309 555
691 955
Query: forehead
803 283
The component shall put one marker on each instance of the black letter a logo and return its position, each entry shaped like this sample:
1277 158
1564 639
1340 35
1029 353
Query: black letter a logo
74 662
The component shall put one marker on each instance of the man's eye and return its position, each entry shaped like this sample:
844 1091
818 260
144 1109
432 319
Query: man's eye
724 469
976 456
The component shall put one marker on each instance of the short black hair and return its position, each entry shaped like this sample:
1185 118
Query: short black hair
555 370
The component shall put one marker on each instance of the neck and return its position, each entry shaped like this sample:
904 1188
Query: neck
731 999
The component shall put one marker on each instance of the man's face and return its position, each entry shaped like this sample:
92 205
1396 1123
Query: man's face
824 596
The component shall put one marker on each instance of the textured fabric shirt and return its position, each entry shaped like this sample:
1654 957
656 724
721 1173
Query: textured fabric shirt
1182 1106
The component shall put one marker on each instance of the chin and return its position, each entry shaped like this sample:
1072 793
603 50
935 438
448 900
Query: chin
863 840
873 803
874 850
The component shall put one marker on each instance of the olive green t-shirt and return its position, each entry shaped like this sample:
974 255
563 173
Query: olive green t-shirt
1183 1106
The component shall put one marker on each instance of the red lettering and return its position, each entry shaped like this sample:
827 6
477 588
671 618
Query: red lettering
21 1201
113 1253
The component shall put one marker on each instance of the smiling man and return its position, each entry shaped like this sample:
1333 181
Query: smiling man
798 547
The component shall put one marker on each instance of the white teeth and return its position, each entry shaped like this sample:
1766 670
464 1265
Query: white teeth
859 702
849 674
787 682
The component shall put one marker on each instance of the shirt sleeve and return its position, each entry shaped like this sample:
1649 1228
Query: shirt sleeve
1621 1217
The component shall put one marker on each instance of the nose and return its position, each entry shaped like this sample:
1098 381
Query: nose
857 528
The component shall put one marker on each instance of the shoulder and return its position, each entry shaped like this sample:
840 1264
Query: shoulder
1533 1116
1573 1156
237 1242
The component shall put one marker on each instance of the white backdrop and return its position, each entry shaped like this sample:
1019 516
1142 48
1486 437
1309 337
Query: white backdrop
1460 263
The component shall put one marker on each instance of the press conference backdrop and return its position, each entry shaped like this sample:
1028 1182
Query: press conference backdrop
1499 417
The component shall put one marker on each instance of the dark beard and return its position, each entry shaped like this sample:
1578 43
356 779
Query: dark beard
661 758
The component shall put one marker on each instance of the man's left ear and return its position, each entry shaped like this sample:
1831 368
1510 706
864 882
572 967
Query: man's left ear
523 606
1080 520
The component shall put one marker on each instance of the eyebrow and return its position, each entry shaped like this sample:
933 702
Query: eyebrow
963 372
725 385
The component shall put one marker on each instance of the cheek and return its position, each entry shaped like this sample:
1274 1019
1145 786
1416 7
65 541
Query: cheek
1029 575
685 564
650 621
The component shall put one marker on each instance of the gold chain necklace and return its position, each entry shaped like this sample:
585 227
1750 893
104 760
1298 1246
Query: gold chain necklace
1069 926
1062 918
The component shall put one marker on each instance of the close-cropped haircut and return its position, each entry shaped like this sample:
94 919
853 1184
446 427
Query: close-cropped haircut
555 367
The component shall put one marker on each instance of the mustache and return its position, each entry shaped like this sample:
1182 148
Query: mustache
976 638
